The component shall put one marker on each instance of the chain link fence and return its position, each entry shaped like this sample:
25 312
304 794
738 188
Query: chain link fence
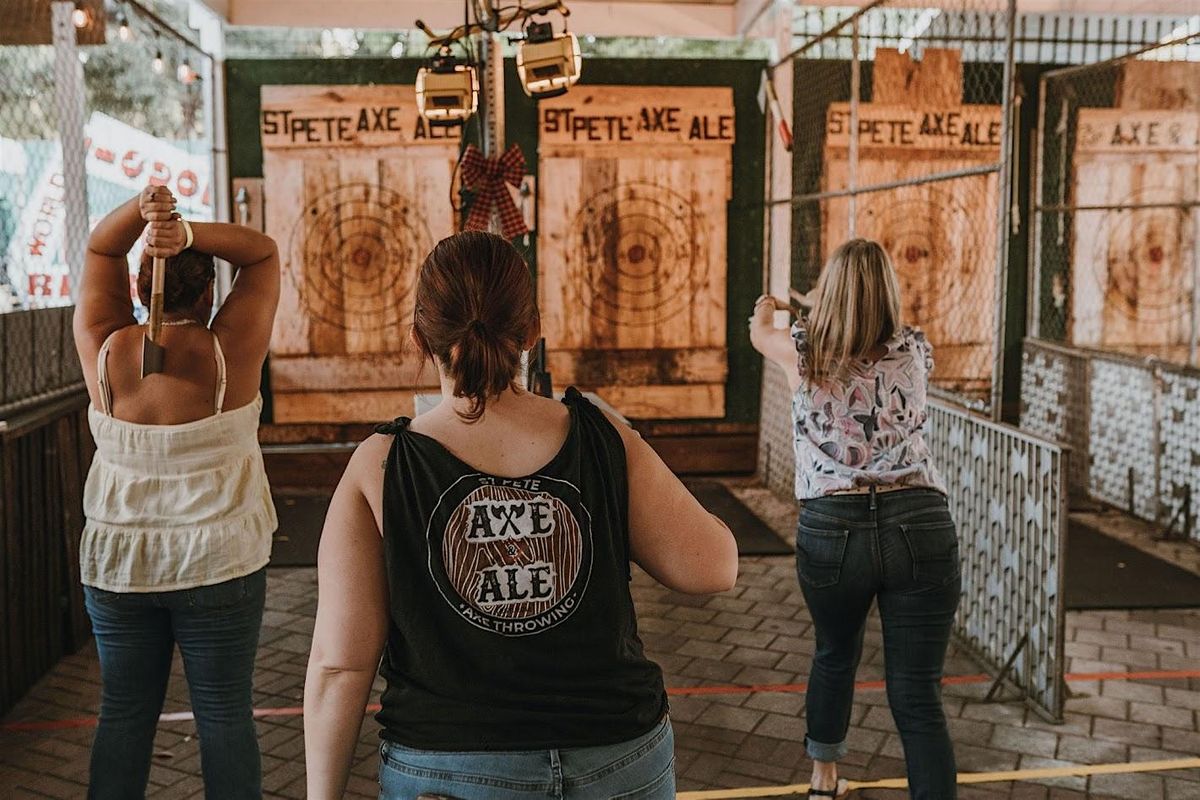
97 100
926 172
1116 258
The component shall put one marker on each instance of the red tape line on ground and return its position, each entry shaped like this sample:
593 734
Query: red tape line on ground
676 691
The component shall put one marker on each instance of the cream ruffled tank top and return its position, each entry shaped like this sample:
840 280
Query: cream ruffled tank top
174 507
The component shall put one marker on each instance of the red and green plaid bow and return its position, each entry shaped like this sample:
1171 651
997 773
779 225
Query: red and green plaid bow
486 177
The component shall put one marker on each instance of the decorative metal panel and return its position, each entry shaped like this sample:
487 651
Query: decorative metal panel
1133 426
776 449
1121 436
1179 449
1054 404
1007 496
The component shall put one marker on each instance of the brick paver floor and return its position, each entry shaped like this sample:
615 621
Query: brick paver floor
757 634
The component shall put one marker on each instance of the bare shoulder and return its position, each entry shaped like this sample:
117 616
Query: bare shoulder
370 455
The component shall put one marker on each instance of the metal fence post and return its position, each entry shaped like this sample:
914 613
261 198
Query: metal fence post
69 99
855 93
1004 208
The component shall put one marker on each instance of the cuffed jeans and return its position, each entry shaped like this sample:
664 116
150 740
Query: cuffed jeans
216 628
898 548
640 769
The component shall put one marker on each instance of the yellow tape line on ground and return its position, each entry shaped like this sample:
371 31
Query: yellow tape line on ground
1080 770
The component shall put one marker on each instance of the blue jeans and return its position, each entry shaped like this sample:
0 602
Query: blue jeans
640 769
216 628
900 549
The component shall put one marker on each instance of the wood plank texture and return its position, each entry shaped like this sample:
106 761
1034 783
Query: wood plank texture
684 401
1132 271
935 80
346 116
662 366
632 245
402 370
354 220
338 407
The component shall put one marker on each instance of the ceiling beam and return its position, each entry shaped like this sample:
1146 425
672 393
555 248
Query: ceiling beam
596 17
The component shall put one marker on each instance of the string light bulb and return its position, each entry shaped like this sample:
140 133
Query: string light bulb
81 17
124 32
158 65
184 72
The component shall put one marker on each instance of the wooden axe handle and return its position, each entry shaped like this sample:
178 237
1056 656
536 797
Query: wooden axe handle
156 299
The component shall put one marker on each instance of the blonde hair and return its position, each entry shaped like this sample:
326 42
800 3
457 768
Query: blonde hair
858 308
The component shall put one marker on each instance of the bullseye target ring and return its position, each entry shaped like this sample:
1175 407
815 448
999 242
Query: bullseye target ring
635 256
359 244
926 232
1137 249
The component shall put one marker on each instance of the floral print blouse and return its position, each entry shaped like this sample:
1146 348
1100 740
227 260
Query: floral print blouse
868 428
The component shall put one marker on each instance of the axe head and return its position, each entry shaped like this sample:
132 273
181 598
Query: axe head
152 356
152 351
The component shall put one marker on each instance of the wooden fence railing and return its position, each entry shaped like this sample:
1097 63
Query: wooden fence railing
45 451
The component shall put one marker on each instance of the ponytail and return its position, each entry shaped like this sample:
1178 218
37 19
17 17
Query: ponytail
475 310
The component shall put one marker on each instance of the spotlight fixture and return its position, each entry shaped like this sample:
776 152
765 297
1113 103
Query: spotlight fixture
158 65
184 72
124 32
81 17
447 90
547 64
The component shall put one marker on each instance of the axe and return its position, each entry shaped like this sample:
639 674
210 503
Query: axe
152 351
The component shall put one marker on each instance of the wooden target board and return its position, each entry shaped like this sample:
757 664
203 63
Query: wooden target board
633 187
941 235
357 192
1132 268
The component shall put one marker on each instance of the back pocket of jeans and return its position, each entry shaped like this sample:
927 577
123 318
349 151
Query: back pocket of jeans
933 547
819 555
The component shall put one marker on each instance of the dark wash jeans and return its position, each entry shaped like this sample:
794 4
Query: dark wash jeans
898 548
216 628
639 769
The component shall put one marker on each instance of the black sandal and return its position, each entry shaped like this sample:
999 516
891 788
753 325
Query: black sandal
842 790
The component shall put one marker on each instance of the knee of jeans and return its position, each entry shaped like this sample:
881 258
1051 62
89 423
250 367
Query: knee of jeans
916 708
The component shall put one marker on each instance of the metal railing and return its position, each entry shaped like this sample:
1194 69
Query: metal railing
1133 426
1007 492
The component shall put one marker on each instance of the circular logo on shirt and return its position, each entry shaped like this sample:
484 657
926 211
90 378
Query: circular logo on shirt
511 556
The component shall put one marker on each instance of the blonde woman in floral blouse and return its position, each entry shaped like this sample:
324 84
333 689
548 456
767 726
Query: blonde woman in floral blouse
875 525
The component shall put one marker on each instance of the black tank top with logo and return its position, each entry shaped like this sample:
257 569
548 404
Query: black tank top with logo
512 625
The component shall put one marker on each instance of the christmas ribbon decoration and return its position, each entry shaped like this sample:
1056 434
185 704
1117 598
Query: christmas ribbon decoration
486 177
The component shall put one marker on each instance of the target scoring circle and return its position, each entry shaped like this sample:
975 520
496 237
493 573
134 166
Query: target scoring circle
924 234
1134 247
359 244
634 257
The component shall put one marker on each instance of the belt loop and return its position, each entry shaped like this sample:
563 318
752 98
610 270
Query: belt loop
873 506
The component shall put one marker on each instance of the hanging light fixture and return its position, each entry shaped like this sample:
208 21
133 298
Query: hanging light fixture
124 32
447 90
184 72
548 64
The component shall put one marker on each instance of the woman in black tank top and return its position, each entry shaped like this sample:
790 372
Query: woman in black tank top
478 557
